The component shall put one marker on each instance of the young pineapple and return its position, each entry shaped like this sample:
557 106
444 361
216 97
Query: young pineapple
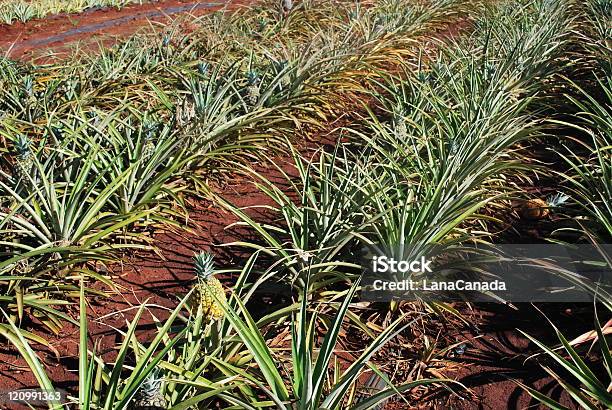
25 157
280 67
253 92
28 86
203 68
400 124
185 112
149 396
262 25
535 209
209 288
148 148
490 70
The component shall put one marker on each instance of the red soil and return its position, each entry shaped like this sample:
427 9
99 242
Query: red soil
32 39
496 354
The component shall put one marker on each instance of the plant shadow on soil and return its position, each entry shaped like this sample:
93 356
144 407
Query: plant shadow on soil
496 354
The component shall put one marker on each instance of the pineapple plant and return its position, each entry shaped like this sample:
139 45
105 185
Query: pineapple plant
253 92
24 157
210 290
535 209
149 396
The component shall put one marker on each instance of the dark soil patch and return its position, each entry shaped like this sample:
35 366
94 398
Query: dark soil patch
494 354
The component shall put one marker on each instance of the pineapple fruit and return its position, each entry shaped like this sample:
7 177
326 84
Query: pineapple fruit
536 209
30 96
24 157
400 124
150 396
148 148
253 92
210 290
185 112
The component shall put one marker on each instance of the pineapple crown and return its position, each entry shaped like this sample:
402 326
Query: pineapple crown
166 40
262 23
28 85
204 265
203 67
253 77
490 70
151 385
453 146
22 145
150 128
557 200
399 112
423 76
280 65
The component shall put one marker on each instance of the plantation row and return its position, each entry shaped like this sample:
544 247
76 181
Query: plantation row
441 140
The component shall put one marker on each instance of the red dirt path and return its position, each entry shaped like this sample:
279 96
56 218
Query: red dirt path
29 40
